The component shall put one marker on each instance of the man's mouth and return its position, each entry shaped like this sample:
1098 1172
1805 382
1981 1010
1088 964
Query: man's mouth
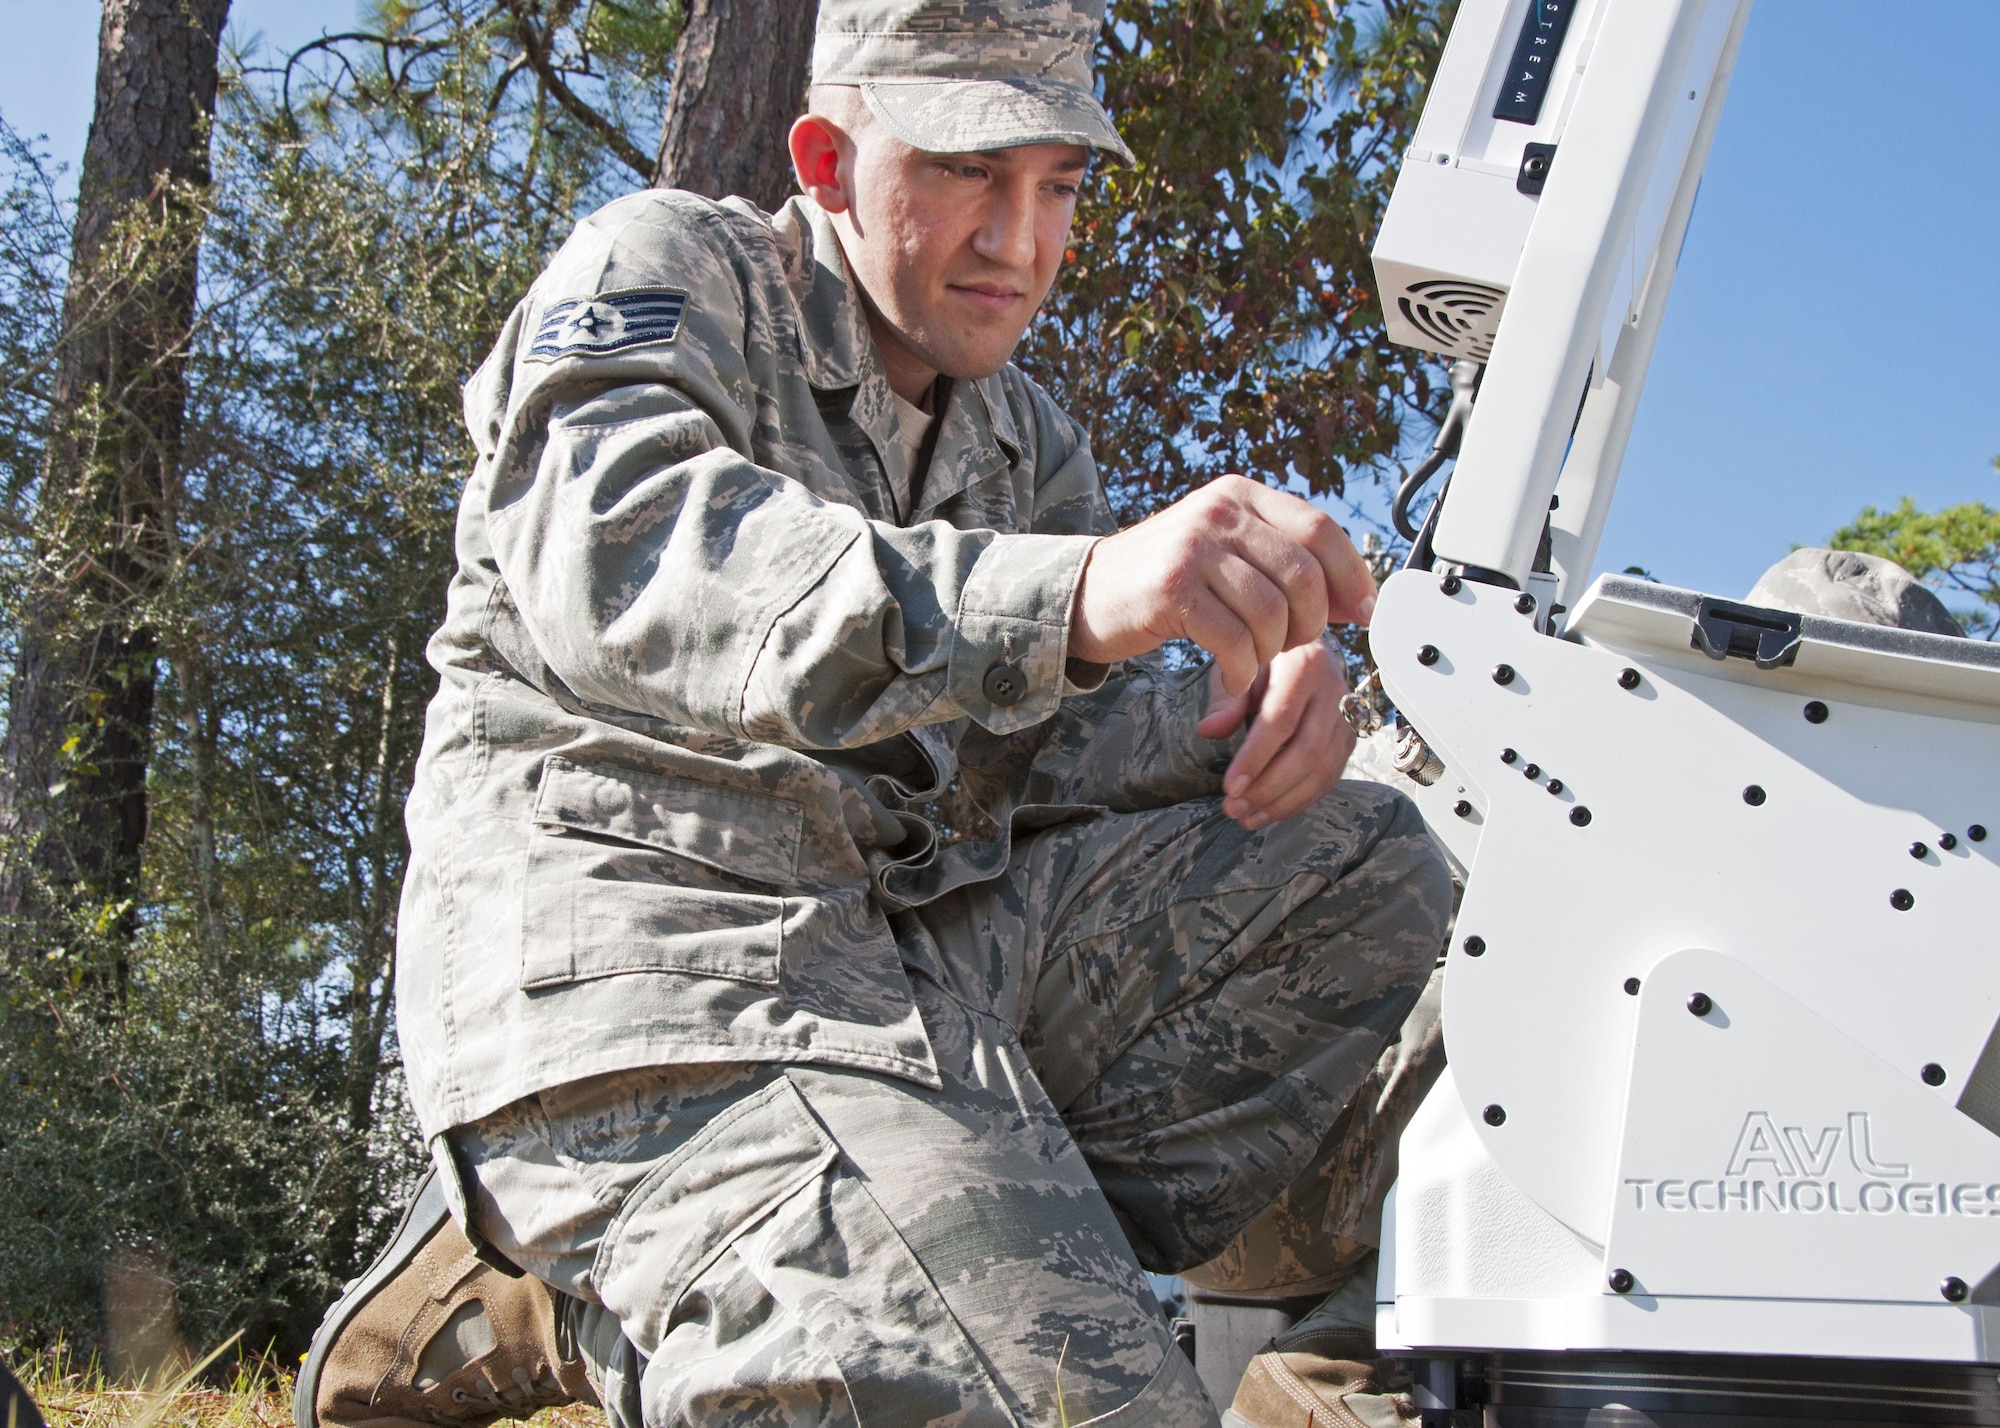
991 297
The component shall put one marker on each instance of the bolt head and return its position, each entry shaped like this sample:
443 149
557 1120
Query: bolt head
1701 1004
1579 816
1902 900
1495 1115
1628 678
1947 841
1475 946
1815 712
1631 986
1531 771
1462 808
1977 832
1525 603
1754 796
1451 585
1555 785
1621 1281
1919 851
1427 655
1507 756
1933 1074
1503 674
1954 1289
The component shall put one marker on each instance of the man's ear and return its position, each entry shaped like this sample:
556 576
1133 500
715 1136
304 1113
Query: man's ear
818 148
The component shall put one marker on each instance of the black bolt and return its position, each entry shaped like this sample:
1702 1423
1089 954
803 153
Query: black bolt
1954 1289
1555 785
1977 832
1919 851
1496 1115
1462 809
1622 1281
1815 712
1701 1004
1631 986
1451 585
1754 796
1933 1074
1503 674
1507 756
1901 900
1947 841
1475 946
1628 678
1525 603
1579 816
1427 655
1531 771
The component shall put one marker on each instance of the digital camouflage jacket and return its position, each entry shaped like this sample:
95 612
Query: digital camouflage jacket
713 712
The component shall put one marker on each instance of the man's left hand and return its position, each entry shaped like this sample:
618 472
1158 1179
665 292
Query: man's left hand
1298 742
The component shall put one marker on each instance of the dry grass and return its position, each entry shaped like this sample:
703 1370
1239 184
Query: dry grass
74 1393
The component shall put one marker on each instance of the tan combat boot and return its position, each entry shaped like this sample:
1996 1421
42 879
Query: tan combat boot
1321 1376
432 1334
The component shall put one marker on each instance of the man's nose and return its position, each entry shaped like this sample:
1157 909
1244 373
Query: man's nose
1007 236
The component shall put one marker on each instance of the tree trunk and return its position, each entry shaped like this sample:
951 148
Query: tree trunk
79 735
740 74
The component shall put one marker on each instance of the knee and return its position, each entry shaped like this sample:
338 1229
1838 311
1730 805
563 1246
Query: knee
1382 864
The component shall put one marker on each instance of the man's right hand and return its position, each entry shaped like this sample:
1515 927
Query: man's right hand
1238 568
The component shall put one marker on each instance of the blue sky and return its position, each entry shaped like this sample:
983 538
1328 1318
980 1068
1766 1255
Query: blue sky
1831 339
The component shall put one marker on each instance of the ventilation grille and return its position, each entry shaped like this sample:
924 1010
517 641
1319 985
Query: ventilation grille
1458 318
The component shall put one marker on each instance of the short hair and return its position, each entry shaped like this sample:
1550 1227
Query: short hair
841 103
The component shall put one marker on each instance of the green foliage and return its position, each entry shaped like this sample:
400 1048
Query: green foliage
1219 311
1956 551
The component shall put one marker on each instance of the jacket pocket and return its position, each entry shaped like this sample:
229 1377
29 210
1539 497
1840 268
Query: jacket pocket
599 899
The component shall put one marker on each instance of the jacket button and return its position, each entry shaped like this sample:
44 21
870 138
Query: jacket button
1005 684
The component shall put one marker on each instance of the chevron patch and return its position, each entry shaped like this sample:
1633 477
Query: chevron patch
609 322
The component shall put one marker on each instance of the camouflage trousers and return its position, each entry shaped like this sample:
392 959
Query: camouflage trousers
1146 1030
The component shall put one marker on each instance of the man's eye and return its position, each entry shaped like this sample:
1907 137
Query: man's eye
969 171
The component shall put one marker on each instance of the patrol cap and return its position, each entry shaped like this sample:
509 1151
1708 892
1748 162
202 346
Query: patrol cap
962 76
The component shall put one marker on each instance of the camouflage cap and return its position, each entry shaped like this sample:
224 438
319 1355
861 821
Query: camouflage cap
961 76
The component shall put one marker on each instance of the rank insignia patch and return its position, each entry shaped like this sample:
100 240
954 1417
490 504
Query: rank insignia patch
609 322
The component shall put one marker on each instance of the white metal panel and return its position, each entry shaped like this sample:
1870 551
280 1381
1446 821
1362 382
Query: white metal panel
1798 887
1766 1155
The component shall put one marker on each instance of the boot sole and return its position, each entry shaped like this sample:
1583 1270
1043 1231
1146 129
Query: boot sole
425 1215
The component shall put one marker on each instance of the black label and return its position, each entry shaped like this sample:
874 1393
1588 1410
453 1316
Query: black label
1534 64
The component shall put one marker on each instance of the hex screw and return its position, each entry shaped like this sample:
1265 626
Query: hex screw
1462 809
1902 900
1525 603
1451 585
1954 1289
1579 816
1815 712
1531 771
1754 796
1621 1281
1933 1074
1555 785
1947 841
1919 851
1507 756
1977 832
1475 946
1503 674
1495 1115
1701 1004
1631 986
1628 678
1427 655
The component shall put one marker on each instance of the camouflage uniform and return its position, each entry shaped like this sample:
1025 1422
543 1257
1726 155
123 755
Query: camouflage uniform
804 962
